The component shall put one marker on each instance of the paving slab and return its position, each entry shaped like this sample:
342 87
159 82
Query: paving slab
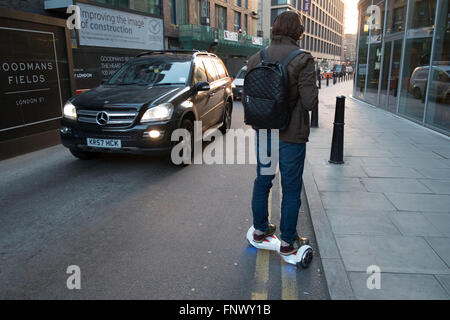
391 172
367 152
420 202
344 184
358 212
337 281
437 186
394 185
441 222
356 200
444 279
415 224
369 225
442 247
399 286
425 162
338 171
391 253
440 174
373 161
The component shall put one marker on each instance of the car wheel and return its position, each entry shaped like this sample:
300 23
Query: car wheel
226 118
416 93
188 125
83 155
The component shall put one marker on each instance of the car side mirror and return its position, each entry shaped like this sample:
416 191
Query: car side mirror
201 86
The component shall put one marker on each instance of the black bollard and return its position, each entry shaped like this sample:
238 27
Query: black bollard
315 116
328 80
337 144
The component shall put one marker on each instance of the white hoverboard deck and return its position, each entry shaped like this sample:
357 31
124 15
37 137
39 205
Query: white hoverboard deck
302 257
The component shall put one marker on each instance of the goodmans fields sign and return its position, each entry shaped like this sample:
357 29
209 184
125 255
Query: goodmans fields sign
36 78
29 81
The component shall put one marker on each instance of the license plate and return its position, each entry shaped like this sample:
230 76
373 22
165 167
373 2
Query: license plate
104 143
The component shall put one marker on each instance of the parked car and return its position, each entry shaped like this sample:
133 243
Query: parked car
238 83
440 85
150 96
339 70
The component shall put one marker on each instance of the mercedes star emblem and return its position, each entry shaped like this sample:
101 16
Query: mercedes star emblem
102 118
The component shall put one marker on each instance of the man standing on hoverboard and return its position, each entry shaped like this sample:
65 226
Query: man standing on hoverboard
287 30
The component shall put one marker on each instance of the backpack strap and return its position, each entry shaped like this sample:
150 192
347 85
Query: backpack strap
264 56
290 57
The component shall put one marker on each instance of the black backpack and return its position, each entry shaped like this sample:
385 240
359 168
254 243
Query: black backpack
266 90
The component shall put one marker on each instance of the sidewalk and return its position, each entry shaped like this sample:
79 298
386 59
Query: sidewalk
388 205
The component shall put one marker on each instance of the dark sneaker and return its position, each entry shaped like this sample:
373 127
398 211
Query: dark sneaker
270 231
293 247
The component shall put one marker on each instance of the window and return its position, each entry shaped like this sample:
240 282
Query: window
153 71
221 17
148 6
211 71
239 3
417 55
438 114
179 12
199 72
274 14
237 21
246 23
221 70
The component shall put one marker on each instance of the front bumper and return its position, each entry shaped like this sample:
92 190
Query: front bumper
133 140
237 92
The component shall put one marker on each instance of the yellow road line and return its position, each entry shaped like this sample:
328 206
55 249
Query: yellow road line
260 289
289 290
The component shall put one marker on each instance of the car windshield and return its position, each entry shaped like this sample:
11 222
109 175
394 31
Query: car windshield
153 71
241 73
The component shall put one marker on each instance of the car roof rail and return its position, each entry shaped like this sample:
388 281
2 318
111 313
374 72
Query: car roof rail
175 51
150 52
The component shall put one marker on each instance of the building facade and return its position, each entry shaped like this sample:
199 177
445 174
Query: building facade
229 28
324 25
350 48
403 59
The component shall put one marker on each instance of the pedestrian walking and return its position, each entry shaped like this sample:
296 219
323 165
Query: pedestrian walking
302 97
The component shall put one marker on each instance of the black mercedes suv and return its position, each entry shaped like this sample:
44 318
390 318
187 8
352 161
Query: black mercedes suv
137 108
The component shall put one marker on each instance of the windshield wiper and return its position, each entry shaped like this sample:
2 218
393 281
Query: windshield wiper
166 83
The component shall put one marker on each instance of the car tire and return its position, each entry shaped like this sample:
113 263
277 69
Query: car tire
83 155
226 118
188 125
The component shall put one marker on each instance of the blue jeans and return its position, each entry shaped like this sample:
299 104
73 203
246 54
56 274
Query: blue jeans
291 162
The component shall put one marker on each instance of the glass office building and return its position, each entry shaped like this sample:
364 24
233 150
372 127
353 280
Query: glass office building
403 59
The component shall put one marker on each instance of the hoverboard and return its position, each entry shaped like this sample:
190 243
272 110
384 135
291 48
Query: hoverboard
302 257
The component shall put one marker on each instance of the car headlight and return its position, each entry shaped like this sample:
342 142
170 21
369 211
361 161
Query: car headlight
158 113
70 111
